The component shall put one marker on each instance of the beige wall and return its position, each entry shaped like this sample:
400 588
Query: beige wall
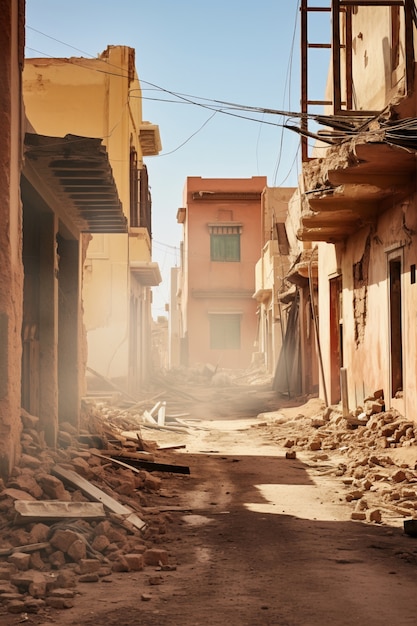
99 98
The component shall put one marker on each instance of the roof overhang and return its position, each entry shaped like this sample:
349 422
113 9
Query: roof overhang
75 177
146 273
350 188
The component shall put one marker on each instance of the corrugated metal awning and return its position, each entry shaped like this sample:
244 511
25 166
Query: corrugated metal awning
77 172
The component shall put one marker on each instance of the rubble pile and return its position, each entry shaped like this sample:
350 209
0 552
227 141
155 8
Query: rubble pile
374 451
73 514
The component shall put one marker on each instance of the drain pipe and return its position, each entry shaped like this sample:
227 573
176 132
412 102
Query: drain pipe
316 326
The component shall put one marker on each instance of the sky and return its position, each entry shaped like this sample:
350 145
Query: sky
192 56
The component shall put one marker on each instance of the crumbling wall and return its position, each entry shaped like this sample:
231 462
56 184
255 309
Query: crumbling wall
360 292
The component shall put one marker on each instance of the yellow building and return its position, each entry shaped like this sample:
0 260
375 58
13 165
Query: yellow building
101 98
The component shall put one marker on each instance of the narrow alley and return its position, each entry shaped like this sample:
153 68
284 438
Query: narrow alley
255 534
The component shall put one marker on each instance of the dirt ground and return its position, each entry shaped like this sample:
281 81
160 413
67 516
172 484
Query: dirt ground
255 539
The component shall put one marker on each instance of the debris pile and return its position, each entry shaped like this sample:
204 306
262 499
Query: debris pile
374 451
80 512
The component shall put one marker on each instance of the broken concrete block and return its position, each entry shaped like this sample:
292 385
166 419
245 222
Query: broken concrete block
399 476
21 560
39 533
358 515
63 538
66 579
16 494
89 578
37 587
53 487
59 603
33 462
155 556
374 515
100 543
34 605
62 592
77 550
27 483
315 444
135 562
57 559
88 566
16 606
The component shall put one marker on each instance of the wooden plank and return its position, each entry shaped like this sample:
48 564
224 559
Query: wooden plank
31 547
137 464
152 466
37 510
94 493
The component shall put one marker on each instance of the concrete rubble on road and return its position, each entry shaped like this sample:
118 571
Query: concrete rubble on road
71 515
372 450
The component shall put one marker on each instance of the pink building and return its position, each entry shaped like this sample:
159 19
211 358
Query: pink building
222 241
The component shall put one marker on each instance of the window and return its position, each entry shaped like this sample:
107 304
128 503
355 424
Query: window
225 242
225 331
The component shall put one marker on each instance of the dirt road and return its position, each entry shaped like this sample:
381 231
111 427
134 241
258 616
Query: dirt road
255 539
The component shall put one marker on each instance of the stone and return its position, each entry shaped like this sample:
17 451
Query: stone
57 559
16 494
34 605
7 570
66 579
62 539
155 556
77 550
374 515
16 606
87 566
135 562
358 515
53 487
59 603
89 578
27 460
100 543
82 467
399 476
39 533
37 587
354 495
26 483
20 559
62 593
315 445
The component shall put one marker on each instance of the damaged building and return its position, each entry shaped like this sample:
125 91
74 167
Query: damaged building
70 182
357 201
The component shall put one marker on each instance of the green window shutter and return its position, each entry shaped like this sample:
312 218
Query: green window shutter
225 331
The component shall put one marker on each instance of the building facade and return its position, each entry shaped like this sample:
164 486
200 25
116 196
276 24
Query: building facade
222 240
359 207
101 97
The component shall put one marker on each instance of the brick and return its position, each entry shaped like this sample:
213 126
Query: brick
53 487
135 562
20 559
63 539
100 543
77 550
87 566
155 556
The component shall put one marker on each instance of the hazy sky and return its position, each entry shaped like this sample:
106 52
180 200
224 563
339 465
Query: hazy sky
213 51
